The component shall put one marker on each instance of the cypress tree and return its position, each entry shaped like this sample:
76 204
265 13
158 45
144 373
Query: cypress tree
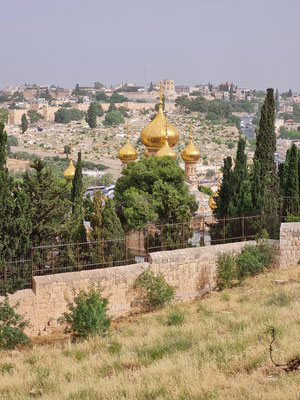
266 137
49 203
24 123
225 193
77 231
15 223
91 116
111 229
289 181
266 200
240 171
77 185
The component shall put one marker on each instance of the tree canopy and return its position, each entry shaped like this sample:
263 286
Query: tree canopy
153 190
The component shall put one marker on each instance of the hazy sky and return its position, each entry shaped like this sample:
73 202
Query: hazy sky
253 43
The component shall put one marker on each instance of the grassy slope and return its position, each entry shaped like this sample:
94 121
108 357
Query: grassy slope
220 352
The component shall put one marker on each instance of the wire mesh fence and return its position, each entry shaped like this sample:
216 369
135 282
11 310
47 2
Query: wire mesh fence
290 209
71 257
15 275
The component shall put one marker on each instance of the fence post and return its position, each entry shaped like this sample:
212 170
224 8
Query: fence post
31 265
161 237
204 230
77 251
223 220
147 244
52 259
125 250
243 226
102 252
182 233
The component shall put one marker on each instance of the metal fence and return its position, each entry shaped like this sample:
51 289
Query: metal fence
69 257
289 209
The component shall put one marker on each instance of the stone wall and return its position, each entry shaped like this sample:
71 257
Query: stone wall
289 244
192 271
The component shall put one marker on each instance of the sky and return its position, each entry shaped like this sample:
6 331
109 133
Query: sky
252 43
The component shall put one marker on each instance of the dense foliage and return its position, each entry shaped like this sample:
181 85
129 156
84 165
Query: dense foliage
12 327
87 314
153 190
65 115
250 261
158 291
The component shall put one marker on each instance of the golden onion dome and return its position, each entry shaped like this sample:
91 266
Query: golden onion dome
212 204
146 152
127 152
166 150
153 134
69 173
191 153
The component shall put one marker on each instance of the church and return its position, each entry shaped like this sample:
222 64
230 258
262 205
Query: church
159 138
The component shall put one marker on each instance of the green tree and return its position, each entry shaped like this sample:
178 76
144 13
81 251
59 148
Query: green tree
113 118
34 116
264 155
146 189
98 85
65 115
289 182
15 218
3 115
24 123
102 97
182 102
111 107
77 185
118 98
49 203
91 116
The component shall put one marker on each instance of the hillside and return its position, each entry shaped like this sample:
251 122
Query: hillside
221 351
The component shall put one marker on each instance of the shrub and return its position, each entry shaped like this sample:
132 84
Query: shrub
113 118
158 291
226 270
12 326
206 190
253 259
87 316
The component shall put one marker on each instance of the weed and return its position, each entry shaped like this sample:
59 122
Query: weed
226 270
31 360
279 299
225 297
202 309
175 317
84 394
115 348
169 345
6 368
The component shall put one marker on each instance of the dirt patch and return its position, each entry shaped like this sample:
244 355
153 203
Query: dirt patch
17 165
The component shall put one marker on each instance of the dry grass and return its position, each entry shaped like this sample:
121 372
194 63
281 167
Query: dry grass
218 350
